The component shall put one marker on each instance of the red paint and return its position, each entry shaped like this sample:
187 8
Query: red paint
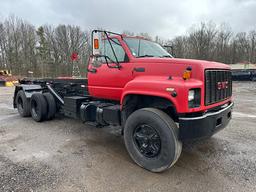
115 84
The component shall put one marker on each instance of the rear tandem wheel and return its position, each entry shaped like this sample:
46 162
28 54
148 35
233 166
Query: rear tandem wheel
51 105
22 104
38 105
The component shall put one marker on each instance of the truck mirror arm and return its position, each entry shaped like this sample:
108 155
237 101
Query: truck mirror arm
109 40
118 66
114 53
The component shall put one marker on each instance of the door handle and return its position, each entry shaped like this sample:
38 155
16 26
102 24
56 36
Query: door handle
139 69
92 70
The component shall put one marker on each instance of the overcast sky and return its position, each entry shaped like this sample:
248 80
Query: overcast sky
166 18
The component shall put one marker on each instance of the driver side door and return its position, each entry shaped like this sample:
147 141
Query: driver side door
105 82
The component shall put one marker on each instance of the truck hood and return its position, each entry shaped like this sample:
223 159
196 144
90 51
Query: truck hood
202 64
175 67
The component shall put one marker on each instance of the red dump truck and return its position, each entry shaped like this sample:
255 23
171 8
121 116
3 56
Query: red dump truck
158 101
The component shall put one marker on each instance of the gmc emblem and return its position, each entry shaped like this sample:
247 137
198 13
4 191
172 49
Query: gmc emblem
222 85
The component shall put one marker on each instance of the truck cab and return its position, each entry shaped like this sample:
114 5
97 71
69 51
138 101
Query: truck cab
158 100
139 68
135 65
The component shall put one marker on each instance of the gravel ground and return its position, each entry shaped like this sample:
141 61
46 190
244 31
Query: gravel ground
66 155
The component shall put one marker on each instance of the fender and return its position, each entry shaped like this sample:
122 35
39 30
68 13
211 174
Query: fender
28 89
156 86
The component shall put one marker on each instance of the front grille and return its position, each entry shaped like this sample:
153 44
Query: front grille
218 85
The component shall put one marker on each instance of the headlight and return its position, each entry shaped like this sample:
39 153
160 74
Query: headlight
194 98
191 95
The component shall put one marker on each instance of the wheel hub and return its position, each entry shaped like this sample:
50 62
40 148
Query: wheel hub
147 140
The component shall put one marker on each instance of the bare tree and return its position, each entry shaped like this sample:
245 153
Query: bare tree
3 58
252 45
47 50
222 42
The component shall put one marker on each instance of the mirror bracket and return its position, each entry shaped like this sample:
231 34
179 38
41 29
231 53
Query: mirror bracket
117 65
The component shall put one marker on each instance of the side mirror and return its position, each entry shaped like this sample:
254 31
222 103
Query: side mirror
169 49
101 37
95 43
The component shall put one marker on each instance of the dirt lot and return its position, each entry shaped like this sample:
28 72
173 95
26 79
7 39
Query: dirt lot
66 155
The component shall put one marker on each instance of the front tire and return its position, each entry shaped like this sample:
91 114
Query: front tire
151 139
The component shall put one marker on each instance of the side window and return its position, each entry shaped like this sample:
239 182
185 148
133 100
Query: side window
134 45
119 51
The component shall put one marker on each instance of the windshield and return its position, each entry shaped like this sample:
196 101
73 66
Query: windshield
145 48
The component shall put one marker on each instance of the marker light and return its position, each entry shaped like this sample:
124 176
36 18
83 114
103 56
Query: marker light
187 73
96 43
170 89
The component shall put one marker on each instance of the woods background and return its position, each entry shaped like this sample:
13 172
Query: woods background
46 50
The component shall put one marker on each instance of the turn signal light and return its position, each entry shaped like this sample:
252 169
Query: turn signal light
96 43
187 73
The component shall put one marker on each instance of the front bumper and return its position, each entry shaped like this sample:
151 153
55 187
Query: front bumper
205 125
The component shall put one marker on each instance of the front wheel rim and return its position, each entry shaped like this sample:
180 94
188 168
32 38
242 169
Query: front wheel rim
147 140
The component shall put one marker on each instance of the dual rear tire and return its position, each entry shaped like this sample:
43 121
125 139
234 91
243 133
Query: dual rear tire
51 106
41 106
22 104
38 105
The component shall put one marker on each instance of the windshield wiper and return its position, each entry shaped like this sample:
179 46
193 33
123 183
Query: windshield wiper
169 56
145 56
